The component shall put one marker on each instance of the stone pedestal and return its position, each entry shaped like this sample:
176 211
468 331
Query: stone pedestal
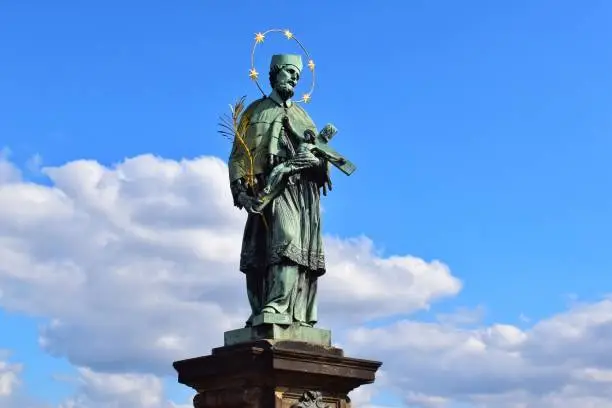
274 327
275 373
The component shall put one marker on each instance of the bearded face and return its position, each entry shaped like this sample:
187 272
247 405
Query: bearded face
286 80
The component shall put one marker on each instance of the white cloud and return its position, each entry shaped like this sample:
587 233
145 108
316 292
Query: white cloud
9 378
362 285
415 399
103 390
462 316
113 390
11 388
8 172
34 163
138 290
564 361
135 266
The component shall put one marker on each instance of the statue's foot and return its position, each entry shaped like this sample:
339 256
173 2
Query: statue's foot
249 322
268 309
304 324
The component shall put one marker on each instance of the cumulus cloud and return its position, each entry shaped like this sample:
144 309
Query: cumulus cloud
8 172
363 285
136 265
563 361
9 376
12 394
104 390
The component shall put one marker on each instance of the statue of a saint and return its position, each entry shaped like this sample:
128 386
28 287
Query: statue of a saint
282 249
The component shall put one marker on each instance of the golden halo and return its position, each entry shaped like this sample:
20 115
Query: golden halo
254 75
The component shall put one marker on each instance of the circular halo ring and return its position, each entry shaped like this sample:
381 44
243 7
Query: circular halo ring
259 38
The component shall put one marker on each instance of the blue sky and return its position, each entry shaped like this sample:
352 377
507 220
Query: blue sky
481 130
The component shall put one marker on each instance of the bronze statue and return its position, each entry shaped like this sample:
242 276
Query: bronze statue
278 169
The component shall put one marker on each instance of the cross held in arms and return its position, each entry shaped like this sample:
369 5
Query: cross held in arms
318 146
324 150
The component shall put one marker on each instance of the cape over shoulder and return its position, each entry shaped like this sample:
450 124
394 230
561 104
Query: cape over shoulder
263 110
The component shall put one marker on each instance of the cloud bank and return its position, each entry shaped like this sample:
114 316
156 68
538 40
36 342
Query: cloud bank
134 266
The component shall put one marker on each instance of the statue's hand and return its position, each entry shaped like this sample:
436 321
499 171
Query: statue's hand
277 174
327 184
248 203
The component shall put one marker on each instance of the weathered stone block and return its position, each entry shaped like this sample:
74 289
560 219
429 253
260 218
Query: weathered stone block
275 374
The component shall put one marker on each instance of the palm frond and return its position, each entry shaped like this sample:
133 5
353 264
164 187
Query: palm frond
233 127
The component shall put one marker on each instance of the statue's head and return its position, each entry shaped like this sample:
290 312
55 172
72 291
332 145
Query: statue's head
285 72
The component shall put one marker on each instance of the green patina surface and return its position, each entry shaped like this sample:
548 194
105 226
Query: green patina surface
280 187
293 332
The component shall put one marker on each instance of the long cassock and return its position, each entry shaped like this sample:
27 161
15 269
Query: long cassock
282 249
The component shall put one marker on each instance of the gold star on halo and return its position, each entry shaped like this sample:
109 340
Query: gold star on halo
288 34
306 98
259 38
253 74
311 65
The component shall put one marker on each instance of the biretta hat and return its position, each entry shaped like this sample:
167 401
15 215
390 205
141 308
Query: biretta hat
287 59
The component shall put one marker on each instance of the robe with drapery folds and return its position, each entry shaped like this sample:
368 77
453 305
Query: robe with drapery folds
282 249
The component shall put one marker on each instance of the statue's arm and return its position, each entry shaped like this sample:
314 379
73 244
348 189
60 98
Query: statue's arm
239 191
243 197
314 164
241 162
